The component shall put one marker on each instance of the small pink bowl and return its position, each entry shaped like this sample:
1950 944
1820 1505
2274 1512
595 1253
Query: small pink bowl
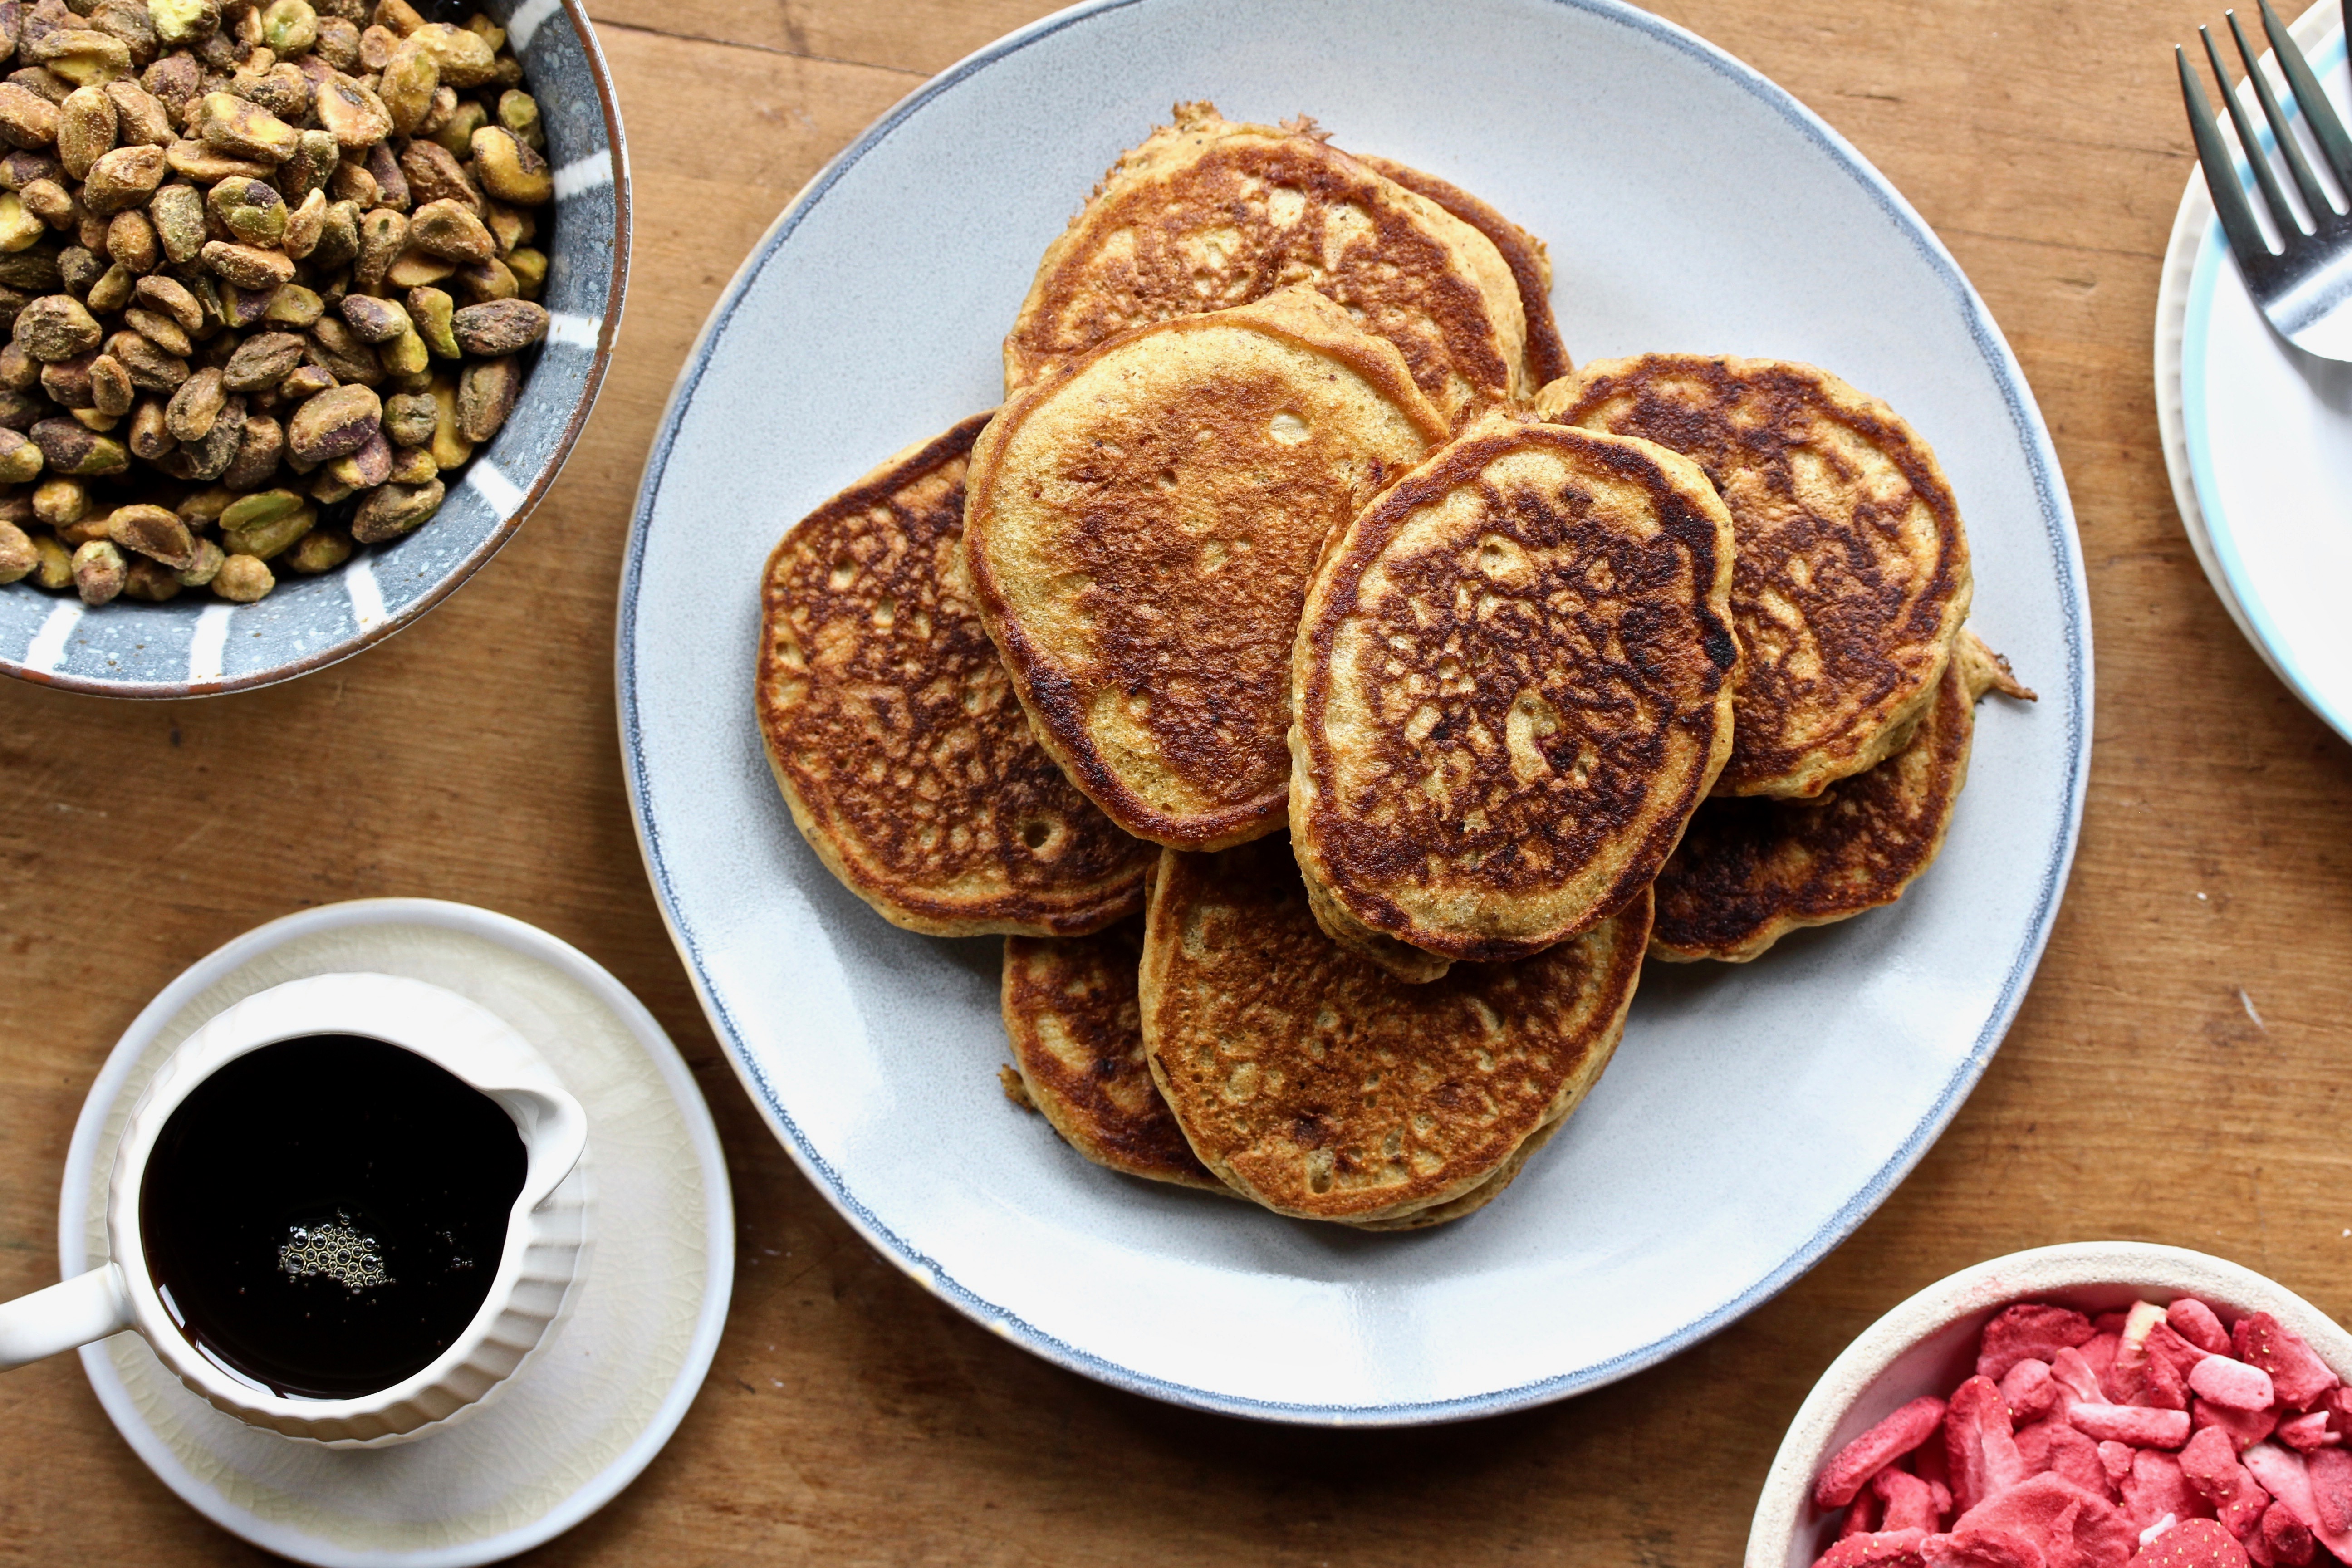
1928 1345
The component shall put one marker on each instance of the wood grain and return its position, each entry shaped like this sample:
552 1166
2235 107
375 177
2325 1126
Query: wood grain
2178 1074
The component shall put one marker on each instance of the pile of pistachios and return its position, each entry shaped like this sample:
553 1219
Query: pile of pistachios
267 271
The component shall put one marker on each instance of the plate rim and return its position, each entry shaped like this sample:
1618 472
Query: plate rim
516 936
2056 514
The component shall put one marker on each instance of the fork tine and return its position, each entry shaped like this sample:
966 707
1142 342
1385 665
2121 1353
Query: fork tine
2314 200
2245 236
2289 228
2325 126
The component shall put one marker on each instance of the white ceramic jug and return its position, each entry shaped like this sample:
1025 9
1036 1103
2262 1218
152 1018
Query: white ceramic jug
547 1229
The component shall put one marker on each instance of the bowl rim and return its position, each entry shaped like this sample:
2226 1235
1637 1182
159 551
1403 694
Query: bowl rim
1781 1508
600 362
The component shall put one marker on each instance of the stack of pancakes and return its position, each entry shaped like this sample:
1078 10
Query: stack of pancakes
1296 517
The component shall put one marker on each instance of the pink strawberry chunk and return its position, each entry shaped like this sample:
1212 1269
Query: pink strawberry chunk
2168 1347
2245 1428
1980 1549
1886 1548
2133 1424
2329 1471
2029 1329
1852 1466
2073 1528
2156 1488
2282 1473
2232 1382
1980 1444
2300 1377
1910 1502
2192 1544
2305 1433
2032 1393
2193 1320
2076 1376
2287 1538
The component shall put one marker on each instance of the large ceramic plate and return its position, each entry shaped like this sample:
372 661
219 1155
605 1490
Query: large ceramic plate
1754 1116
2258 435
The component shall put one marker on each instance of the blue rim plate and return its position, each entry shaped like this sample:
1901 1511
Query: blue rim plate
2259 437
199 646
1754 1115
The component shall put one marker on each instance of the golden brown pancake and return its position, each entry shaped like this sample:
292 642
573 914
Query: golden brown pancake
895 734
1318 1084
1515 676
1751 871
1207 214
1141 530
1523 252
1077 1029
1854 566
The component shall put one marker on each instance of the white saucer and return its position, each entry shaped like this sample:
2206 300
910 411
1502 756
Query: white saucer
2258 435
595 1402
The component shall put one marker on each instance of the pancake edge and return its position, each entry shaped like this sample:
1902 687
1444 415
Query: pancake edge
1497 285
1817 770
926 917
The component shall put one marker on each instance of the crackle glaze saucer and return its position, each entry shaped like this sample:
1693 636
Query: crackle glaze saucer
594 1403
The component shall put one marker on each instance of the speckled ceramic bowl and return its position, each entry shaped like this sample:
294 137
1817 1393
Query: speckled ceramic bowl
1928 1346
196 645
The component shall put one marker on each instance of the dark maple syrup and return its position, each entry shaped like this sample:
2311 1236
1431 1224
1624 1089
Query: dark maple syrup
324 1215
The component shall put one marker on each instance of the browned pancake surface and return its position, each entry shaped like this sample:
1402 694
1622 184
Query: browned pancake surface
1751 871
1514 677
1077 1029
896 736
1523 252
1208 214
1313 1081
1142 530
1853 568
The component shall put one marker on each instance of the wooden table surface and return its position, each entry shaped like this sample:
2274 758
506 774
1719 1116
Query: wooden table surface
2177 1074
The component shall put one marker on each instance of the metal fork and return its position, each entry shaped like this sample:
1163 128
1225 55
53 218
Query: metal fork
2305 287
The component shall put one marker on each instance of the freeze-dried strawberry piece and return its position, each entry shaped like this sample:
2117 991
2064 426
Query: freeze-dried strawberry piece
2289 1540
2073 1528
2300 1377
2282 1473
1980 1444
2076 1458
1850 1469
2133 1424
2245 1428
2192 1544
2305 1433
2209 1463
2028 1329
2193 1320
2156 1488
1980 1549
2076 1376
2329 1471
1862 1518
2176 1353
2232 1382
2115 1459
2030 1391
1910 1503
2099 1355
1886 1548
2337 1403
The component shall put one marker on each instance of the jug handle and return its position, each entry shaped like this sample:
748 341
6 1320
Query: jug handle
72 1313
